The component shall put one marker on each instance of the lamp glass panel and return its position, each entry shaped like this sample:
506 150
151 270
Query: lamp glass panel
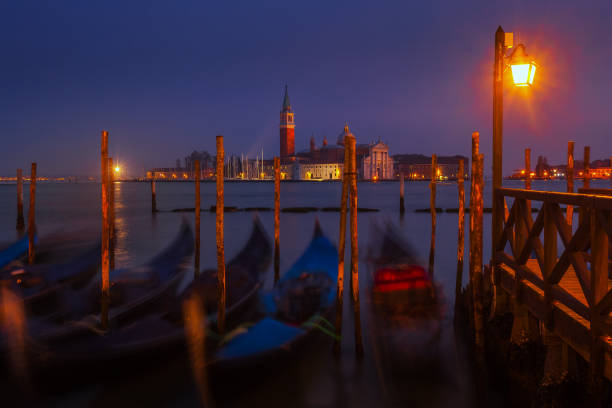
520 74
532 74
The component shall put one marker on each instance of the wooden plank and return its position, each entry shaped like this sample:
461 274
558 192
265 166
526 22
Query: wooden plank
550 258
507 234
561 293
596 191
576 243
533 242
569 177
575 332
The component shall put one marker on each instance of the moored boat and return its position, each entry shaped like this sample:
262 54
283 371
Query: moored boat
159 333
295 312
10 252
407 312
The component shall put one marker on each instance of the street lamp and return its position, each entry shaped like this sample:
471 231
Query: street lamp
522 66
523 72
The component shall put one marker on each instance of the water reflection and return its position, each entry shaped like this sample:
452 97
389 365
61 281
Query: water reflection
409 361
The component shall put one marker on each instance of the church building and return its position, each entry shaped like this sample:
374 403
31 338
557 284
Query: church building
327 162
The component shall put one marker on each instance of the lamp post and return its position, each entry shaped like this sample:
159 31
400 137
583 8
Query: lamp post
523 71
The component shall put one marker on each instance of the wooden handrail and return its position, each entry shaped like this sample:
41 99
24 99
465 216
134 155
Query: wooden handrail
596 191
586 200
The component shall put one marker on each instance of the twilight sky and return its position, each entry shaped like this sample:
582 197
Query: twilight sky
165 77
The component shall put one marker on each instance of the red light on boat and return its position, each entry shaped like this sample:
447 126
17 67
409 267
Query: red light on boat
403 278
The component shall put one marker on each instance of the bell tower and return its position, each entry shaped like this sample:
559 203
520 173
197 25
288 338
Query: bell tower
287 128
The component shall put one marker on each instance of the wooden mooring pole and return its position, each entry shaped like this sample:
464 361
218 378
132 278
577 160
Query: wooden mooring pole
477 281
276 218
220 240
402 209
196 261
354 243
527 169
111 213
342 245
432 208
586 181
472 235
20 221
153 197
461 234
32 216
105 261
569 177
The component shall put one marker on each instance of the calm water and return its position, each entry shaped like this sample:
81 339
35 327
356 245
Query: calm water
317 379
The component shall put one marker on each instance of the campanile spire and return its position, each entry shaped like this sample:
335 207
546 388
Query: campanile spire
287 128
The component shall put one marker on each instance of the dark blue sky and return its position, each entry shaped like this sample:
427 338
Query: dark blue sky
165 77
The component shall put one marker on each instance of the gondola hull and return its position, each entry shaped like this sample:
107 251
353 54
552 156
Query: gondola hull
156 335
285 331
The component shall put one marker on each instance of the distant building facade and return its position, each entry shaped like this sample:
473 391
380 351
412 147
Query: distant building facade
377 165
327 161
418 166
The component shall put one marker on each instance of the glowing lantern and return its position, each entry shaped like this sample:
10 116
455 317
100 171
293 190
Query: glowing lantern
117 169
522 66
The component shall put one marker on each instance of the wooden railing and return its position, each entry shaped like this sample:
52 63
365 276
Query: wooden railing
529 247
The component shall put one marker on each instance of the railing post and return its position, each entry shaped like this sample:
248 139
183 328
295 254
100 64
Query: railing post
522 229
569 176
550 259
599 288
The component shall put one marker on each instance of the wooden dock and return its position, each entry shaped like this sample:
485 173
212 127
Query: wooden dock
568 291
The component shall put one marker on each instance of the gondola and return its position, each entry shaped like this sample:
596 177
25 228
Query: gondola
407 310
400 283
133 292
38 285
159 333
296 311
13 251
